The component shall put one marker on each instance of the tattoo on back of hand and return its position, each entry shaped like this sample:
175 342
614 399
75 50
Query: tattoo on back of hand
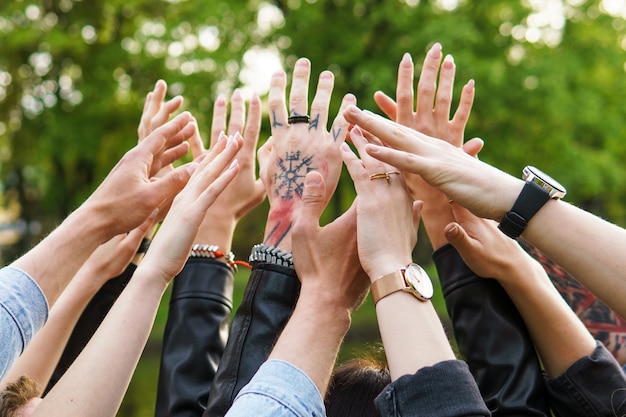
336 132
275 123
313 123
289 181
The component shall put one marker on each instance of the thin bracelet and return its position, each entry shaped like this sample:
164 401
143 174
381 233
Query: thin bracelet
213 251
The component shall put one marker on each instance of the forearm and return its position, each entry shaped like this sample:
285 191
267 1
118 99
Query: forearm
559 336
57 258
427 340
318 329
93 386
586 246
42 355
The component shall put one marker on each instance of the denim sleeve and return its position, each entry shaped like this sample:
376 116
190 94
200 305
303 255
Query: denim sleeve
593 386
446 389
23 311
278 389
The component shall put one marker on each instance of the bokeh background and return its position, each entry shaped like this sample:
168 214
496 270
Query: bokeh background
550 83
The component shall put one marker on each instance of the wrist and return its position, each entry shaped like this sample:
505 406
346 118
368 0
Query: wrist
323 307
384 266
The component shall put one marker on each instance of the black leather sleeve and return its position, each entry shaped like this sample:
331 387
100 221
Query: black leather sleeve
195 336
269 300
493 339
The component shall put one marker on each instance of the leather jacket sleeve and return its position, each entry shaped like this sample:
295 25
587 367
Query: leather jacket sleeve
195 336
593 386
89 321
492 338
269 300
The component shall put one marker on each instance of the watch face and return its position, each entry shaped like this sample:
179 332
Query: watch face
531 173
419 280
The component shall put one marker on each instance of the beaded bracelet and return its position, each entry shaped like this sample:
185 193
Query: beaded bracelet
213 251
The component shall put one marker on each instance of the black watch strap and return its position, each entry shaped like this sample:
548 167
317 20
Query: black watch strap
528 203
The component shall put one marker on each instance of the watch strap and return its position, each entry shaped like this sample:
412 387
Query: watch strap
530 200
388 284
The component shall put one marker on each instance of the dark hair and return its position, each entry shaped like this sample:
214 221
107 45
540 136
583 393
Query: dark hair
353 387
16 395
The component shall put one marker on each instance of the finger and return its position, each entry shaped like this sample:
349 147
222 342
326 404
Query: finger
251 131
359 141
339 129
218 124
427 85
264 151
391 133
461 116
386 104
404 91
143 129
196 143
168 136
219 184
169 185
313 201
321 102
298 96
170 156
458 237
473 146
276 102
444 94
166 111
404 161
353 165
237 113
417 212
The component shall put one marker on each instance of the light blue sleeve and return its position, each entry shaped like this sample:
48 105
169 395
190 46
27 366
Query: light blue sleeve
278 389
23 311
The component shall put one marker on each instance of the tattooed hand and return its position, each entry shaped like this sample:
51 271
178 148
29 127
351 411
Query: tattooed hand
297 148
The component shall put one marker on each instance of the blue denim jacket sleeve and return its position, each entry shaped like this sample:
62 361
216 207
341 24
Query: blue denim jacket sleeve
593 386
446 389
278 389
23 311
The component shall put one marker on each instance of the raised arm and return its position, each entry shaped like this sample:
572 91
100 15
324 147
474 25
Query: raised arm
417 350
96 387
201 302
585 245
108 261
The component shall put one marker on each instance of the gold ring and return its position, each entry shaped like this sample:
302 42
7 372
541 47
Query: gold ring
383 175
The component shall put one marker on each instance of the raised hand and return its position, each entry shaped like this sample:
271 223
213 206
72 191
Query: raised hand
246 191
432 117
298 147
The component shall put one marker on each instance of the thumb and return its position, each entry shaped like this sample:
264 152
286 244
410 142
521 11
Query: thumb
313 196
457 236
473 146
172 183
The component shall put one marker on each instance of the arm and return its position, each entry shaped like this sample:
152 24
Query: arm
272 290
489 192
489 332
41 357
560 337
332 287
417 355
122 202
96 387
201 303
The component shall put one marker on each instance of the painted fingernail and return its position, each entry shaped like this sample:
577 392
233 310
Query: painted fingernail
221 136
471 83
435 50
233 164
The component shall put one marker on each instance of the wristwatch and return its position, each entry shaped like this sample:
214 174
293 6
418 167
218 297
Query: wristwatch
538 189
412 279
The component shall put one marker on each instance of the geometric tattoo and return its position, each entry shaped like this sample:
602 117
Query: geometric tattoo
275 123
290 179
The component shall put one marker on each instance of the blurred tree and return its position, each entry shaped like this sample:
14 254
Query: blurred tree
73 74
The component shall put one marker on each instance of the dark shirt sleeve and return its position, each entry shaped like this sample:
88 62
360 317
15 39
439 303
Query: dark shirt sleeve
446 389
593 386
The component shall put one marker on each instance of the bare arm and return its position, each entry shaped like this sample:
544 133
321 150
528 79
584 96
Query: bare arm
587 246
559 335
94 386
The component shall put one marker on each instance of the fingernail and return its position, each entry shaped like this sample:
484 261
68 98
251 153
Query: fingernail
449 58
407 58
191 168
435 49
221 136
154 213
357 131
312 179
233 164
344 147
471 83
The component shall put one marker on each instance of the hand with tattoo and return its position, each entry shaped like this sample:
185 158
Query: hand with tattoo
299 147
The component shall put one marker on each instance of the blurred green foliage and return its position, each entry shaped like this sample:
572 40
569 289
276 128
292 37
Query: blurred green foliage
550 80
